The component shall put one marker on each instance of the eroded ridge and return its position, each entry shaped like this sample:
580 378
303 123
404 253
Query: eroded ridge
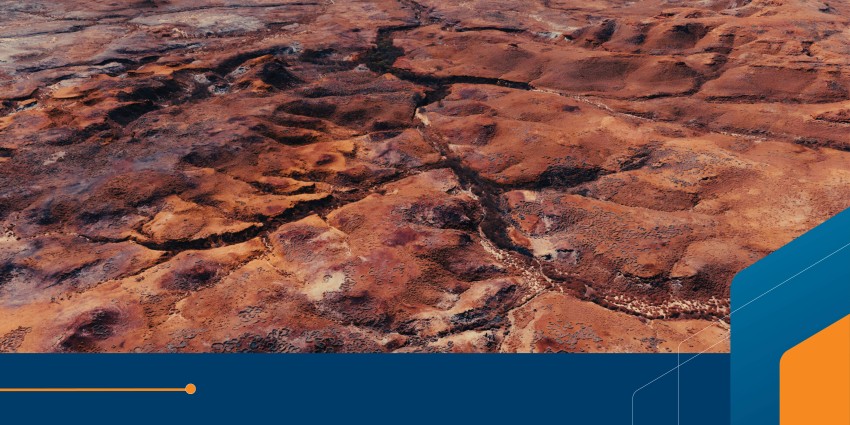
396 175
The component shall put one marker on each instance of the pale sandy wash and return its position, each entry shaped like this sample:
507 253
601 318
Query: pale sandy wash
401 176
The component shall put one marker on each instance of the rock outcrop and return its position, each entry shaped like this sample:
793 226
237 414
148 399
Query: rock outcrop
397 175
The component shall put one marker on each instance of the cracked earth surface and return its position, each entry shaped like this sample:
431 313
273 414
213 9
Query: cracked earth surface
392 175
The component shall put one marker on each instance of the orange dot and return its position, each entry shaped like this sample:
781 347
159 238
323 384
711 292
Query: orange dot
190 388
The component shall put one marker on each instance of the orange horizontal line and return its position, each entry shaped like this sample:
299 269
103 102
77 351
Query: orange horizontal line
89 390
189 389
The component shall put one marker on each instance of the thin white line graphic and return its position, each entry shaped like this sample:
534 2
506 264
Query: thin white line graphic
679 363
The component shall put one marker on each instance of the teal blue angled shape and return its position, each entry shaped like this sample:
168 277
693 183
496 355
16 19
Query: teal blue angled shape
779 302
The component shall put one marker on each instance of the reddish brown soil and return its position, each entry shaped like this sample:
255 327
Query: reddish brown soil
397 175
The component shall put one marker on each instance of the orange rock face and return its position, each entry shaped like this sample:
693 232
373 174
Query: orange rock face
399 176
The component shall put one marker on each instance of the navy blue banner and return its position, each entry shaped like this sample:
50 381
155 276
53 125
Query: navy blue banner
368 388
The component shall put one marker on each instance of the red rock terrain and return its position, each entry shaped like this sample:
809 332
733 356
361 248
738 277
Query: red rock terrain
396 175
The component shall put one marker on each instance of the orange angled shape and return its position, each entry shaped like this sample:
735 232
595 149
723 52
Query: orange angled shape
814 379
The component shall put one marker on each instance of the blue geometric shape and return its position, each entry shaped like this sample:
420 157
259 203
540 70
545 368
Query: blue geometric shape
581 389
779 302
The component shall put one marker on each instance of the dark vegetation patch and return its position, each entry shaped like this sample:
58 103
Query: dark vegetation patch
98 326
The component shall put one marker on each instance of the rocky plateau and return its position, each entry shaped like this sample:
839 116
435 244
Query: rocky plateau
407 176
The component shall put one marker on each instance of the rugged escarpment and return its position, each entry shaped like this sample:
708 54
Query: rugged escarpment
394 175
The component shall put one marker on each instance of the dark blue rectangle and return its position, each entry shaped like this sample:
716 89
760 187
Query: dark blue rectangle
370 388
